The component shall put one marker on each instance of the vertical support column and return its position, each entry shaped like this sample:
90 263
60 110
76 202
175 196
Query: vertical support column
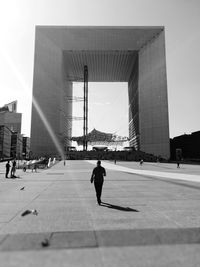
86 74
85 108
152 97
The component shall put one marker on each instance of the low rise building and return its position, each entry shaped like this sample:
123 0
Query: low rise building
26 147
12 120
5 142
16 145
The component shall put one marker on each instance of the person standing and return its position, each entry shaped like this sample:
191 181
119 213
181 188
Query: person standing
7 168
98 178
24 167
13 170
35 167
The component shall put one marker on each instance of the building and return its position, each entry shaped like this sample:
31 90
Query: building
10 118
16 145
5 142
12 107
10 123
135 55
26 147
189 145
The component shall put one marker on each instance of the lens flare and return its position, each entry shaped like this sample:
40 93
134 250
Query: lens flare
35 104
49 128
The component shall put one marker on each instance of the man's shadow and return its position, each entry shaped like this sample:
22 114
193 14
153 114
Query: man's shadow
111 206
15 177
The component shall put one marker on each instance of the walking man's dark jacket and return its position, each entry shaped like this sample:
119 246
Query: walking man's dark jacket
98 177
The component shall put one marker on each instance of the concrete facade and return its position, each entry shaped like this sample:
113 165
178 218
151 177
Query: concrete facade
16 145
135 55
12 120
153 103
5 142
26 147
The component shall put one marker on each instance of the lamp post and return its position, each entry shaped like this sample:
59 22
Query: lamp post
85 108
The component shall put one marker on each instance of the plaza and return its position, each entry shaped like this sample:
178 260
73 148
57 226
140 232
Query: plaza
149 216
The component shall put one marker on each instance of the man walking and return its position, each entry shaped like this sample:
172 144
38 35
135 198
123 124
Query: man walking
98 177
7 168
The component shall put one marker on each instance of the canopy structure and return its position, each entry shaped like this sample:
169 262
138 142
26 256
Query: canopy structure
100 138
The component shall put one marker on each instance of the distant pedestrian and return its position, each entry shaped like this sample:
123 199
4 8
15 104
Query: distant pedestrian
34 167
7 168
141 162
49 163
178 164
98 178
24 167
13 170
115 156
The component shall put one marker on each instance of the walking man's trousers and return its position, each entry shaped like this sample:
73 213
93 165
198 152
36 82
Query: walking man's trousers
98 188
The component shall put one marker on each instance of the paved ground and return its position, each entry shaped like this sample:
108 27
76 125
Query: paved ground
150 216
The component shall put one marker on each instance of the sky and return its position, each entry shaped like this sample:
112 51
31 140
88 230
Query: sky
108 111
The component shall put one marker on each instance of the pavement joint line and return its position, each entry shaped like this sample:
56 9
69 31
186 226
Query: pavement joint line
1 242
49 185
54 173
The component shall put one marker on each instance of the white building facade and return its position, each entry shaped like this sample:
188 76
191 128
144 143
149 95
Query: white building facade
135 55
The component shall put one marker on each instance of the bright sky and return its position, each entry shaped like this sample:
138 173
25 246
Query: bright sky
107 108
182 23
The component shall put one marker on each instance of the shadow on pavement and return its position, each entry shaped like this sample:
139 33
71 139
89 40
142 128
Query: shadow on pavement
111 206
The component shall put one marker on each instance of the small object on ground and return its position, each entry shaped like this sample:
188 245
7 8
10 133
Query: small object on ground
26 212
22 188
45 242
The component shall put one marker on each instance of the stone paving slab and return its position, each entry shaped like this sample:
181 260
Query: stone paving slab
73 239
19 242
102 238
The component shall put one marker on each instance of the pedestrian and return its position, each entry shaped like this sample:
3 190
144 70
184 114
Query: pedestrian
98 178
178 164
13 170
35 167
24 167
115 156
7 168
141 162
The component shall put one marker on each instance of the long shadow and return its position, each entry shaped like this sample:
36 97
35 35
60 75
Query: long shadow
15 177
111 206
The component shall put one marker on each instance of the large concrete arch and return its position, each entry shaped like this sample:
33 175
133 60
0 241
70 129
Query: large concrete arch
135 55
